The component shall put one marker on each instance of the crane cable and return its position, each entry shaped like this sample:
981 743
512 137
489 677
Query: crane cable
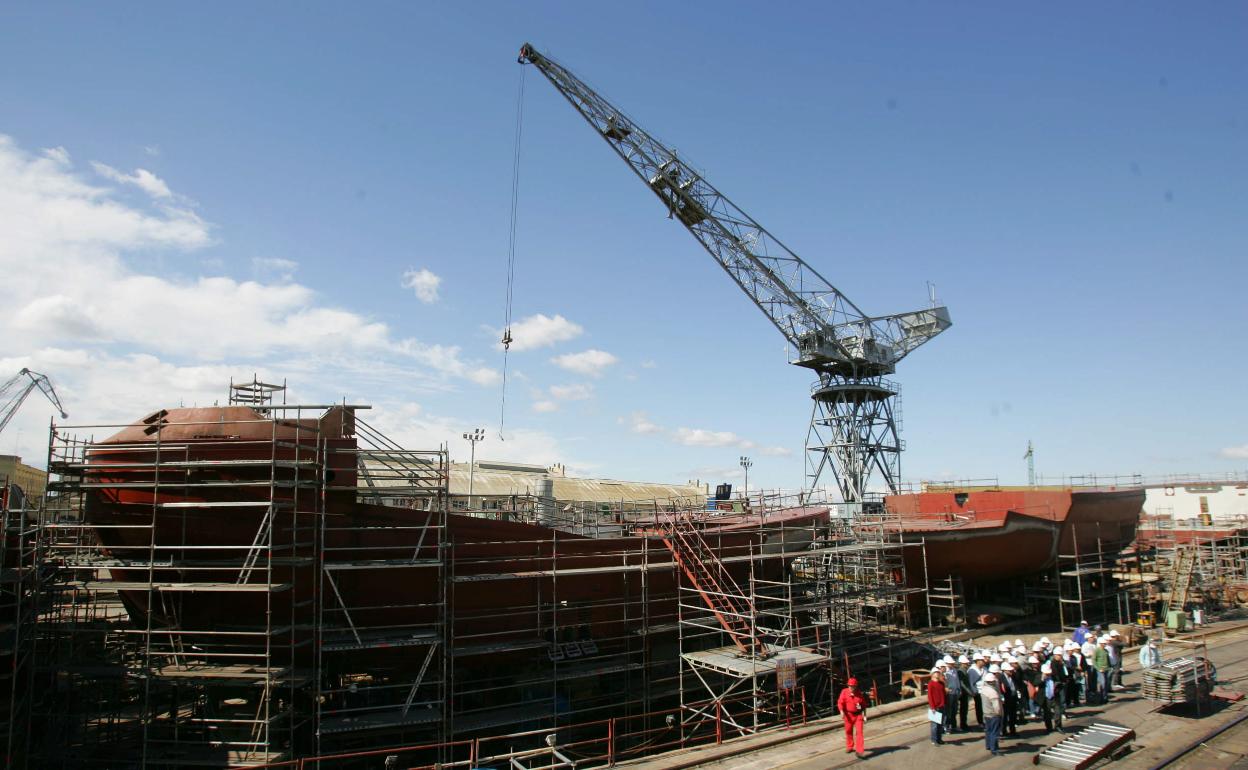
511 249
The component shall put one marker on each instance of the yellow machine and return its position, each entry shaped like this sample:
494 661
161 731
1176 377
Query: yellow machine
1146 619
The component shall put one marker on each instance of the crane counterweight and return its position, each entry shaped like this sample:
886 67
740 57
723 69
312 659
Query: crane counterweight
853 428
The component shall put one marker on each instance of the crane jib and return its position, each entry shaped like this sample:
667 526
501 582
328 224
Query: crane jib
823 324
854 423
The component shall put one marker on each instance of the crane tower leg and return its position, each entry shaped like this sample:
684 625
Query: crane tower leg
853 433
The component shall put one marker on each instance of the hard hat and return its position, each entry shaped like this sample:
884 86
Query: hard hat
1113 632
1083 622
1003 646
935 669
948 659
1032 659
994 669
1018 642
1046 669
977 655
1045 640
995 658
990 677
1007 666
963 659
1037 647
852 682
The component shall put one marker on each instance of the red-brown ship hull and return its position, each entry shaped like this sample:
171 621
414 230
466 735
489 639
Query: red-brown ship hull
985 536
496 577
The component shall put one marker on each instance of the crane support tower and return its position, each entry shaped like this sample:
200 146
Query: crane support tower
853 424
19 386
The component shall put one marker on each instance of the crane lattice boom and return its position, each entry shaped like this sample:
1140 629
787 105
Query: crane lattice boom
853 427
15 391
830 333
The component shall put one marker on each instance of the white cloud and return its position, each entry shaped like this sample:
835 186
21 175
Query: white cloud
710 438
574 392
591 363
545 406
274 269
638 422
648 365
151 150
1235 452
410 425
141 178
68 285
424 283
540 331
58 154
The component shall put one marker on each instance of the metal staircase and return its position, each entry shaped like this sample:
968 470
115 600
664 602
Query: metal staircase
1181 580
710 578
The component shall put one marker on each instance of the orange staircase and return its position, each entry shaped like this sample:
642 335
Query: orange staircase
711 580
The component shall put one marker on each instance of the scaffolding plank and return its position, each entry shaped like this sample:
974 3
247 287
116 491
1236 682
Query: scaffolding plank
380 720
135 585
730 660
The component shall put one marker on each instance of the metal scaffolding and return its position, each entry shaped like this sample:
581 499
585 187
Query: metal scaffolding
267 581
823 601
212 592
17 575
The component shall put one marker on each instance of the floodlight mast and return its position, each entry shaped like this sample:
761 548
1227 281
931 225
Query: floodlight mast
853 428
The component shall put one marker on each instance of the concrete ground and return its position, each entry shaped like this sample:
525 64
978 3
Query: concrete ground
900 739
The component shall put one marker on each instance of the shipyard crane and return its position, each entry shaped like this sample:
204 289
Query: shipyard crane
853 427
15 391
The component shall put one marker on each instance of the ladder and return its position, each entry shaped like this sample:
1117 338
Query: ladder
1181 580
710 578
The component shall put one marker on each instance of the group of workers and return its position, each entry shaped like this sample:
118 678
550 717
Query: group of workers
1012 683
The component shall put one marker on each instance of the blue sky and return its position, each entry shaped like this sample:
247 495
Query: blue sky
1072 178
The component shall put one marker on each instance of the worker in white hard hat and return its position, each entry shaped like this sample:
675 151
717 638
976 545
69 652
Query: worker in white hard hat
993 709
964 695
1150 655
1050 699
953 691
1076 664
1101 662
973 675
1063 676
936 706
1114 648
1009 689
1081 633
1031 675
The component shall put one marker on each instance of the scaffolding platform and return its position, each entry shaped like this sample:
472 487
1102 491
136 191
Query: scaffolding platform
731 661
381 720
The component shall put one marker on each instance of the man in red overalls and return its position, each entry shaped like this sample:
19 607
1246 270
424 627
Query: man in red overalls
853 707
